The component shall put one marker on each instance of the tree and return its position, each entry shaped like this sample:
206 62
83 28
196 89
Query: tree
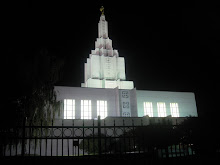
39 104
30 91
31 79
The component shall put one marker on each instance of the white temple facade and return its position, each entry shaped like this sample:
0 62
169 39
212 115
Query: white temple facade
106 93
104 68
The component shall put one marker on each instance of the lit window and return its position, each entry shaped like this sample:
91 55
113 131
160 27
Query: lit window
102 109
161 108
148 109
69 109
174 110
86 109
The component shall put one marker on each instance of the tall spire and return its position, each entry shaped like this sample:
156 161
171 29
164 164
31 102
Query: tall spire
104 68
103 25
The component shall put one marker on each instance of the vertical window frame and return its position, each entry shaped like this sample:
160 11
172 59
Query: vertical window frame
86 109
102 109
161 109
148 109
69 108
174 110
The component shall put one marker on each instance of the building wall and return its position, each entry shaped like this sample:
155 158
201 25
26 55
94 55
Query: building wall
93 94
186 102
120 102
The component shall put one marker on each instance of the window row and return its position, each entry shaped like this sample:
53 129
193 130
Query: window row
161 109
86 109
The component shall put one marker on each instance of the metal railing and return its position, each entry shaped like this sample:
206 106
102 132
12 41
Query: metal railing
96 139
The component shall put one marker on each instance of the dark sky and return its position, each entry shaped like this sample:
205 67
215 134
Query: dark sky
167 46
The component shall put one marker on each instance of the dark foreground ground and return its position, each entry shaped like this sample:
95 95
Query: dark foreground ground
122 160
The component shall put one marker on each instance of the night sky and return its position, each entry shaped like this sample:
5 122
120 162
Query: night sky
167 46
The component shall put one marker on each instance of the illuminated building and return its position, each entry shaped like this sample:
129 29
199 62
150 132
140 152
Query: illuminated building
106 92
104 68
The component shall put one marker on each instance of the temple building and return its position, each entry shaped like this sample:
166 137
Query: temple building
105 91
104 67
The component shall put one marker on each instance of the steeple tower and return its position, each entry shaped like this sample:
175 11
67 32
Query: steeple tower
104 68
103 25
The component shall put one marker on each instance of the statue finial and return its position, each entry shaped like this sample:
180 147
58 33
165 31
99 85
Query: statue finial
102 10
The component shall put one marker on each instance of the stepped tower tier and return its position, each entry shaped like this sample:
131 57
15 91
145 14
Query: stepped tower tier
104 68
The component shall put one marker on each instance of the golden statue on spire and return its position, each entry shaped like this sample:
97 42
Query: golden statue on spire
102 10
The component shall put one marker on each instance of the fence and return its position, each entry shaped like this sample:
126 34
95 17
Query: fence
95 140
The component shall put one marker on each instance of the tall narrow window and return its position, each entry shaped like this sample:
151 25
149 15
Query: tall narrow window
161 108
148 109
174 109
69 109
102 109
86 109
